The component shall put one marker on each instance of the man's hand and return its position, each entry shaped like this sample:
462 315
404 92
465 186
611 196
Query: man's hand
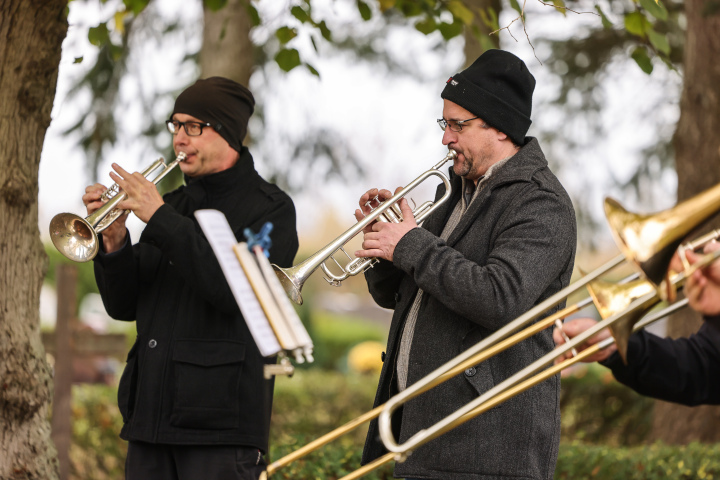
574 328
142 195
380 238
370 201
114 235
702 288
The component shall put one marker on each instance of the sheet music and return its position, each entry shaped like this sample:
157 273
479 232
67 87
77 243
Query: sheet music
221 238
282 300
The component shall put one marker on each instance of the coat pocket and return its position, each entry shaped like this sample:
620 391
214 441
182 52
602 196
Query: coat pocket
128 384
481 376
207 383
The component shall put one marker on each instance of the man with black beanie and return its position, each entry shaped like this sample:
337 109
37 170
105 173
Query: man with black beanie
504 242
193 398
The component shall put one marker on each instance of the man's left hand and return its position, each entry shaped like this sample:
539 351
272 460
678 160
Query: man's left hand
383 239
143 197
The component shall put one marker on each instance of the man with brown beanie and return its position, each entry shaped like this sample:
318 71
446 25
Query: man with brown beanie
193 398
504 242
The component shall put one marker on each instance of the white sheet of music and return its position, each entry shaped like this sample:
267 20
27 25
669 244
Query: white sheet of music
221 238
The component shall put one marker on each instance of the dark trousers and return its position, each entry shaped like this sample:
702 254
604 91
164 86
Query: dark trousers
192 462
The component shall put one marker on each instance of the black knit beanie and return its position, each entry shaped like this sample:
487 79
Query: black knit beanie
225 104
498 88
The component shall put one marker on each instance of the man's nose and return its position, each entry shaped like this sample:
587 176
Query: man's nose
449 137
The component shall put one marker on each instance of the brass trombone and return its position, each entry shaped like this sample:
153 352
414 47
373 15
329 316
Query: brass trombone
522 380
77 237
294 278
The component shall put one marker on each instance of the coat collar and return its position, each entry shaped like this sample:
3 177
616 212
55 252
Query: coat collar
519 168
195 194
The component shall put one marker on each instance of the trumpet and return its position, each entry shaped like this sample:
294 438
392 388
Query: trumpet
77 238
293 278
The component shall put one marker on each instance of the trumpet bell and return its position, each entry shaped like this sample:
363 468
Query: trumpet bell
74 237
287 280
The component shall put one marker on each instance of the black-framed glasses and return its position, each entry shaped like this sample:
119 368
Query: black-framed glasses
193 129
456 125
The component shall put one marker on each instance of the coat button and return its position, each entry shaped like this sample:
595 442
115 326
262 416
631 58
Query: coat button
152 343
382 357
470 371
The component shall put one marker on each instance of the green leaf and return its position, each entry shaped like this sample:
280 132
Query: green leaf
655 8
641 58
386 5
78 60
605 22
460 11
99 35
635 23
426 26
253 14
560 4
490 18
659 41
450 30
300 14
285 34
516 6
364 9
215 5
486 43
312 70
287 59
135 6
325 31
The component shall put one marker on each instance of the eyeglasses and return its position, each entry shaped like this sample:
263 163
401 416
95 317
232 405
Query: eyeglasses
457 125
193 129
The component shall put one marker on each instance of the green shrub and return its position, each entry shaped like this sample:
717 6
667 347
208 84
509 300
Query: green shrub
315 402
597 409
96 453
647 462
334 335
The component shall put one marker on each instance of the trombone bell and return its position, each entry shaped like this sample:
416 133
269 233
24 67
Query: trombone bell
650 241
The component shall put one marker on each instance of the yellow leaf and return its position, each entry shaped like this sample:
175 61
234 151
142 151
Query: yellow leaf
120 21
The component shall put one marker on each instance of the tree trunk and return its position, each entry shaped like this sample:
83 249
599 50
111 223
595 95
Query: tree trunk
697 150
31 33
227 50
473 49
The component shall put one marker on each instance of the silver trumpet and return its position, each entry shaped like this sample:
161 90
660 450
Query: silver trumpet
77 237
293 278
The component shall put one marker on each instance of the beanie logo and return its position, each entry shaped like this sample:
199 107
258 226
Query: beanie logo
451 81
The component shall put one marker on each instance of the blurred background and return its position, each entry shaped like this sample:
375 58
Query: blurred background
348 93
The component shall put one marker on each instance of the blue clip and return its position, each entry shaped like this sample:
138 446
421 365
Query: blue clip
262 239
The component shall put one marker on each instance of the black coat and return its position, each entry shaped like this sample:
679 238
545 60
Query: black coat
194 375
682 370
513 248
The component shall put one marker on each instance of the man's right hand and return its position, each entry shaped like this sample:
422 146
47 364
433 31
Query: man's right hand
114 235
573 328
702 288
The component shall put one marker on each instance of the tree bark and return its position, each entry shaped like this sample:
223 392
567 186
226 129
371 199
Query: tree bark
473 49
31 35
697 153
227 50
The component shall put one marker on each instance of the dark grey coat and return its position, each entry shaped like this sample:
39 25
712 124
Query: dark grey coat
513 248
